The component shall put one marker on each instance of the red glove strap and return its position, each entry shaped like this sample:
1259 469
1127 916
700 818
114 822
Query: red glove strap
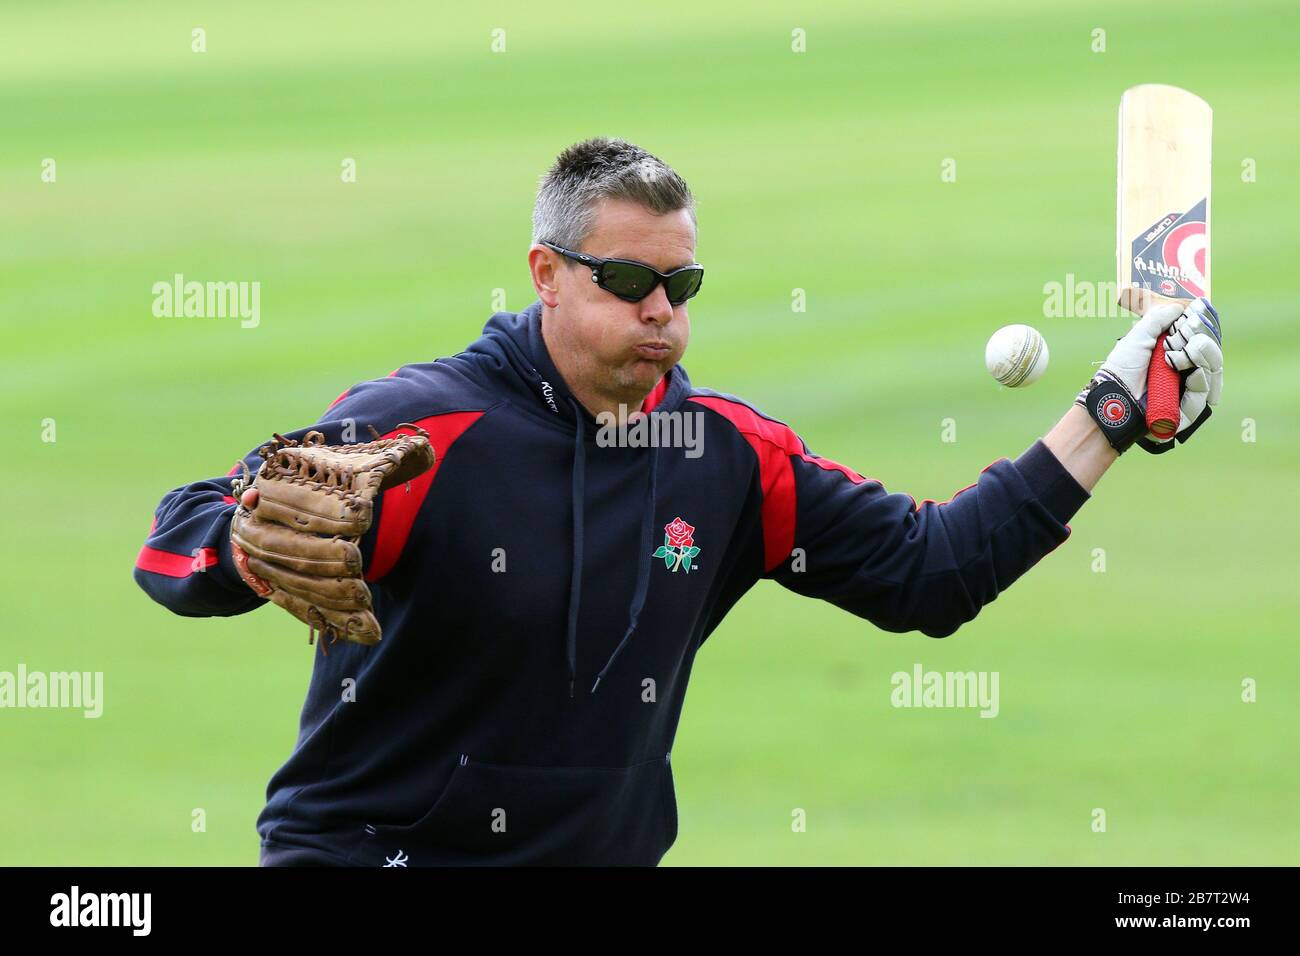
241 565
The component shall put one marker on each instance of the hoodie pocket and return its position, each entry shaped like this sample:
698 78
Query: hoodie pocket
514 815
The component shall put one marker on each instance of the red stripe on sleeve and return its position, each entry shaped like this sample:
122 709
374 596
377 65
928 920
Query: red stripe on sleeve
828 465
400 505
175 565
172 564
773 443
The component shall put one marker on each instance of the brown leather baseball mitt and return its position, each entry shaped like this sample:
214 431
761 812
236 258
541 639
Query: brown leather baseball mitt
294 535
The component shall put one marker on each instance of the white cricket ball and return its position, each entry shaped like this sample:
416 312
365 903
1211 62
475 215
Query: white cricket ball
1016 355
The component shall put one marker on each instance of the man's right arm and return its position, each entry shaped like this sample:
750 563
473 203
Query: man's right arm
186 563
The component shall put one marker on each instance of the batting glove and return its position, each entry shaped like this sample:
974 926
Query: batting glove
1116 397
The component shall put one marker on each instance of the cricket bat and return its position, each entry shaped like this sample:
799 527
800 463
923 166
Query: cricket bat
1163 247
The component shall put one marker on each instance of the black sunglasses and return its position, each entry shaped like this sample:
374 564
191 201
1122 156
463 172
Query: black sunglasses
632 281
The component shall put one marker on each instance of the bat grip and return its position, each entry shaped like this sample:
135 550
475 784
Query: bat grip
1163 387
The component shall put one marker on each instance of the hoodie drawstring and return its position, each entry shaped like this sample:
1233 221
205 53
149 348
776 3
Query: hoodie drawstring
643 566
575 577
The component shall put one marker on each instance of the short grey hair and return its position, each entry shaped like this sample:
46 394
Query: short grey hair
597 169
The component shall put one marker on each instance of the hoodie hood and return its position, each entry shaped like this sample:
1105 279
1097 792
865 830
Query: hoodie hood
513 343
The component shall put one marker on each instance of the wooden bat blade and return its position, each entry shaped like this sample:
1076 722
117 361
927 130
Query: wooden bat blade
1163 218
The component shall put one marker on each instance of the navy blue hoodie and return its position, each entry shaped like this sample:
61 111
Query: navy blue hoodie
543 594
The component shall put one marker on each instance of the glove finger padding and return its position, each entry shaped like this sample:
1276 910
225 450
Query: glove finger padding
1202 355
301 538
339 593
306 509
276 544
1199 351
1196 390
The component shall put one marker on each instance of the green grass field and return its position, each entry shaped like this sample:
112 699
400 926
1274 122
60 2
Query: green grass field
817 171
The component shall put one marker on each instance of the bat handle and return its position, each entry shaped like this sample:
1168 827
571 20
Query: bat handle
1163 387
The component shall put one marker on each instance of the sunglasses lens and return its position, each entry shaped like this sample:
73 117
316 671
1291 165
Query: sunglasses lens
631 281
683 285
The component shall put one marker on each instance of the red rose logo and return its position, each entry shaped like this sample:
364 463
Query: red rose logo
680 534
678 549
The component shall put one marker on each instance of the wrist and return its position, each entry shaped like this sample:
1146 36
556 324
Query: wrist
1080 446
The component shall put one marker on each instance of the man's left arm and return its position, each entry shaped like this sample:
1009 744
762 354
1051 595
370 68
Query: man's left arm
931 567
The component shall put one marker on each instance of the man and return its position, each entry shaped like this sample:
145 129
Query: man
544 590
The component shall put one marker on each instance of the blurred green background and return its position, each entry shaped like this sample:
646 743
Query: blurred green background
817 171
